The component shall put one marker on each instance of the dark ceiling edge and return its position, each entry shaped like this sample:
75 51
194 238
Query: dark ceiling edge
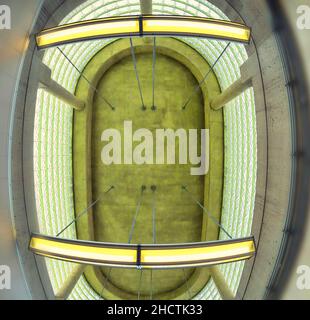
294 231
34 270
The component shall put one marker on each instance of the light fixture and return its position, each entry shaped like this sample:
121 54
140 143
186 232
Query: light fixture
130 26
195 27
88 30
143 256
197 254
95 253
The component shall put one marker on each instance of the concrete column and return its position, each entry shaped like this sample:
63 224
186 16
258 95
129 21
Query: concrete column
230 93
221 284
146 6
67 287
48 84
146 9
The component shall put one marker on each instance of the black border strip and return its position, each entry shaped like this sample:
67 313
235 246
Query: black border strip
139 256
141 25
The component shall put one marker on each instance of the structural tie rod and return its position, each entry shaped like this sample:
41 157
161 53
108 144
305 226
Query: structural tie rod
204 78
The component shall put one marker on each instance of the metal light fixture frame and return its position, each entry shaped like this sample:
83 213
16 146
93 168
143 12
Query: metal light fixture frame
143 25
146 256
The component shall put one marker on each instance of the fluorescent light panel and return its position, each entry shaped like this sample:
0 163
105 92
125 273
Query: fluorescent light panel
195 27
88 30
128 26
146 256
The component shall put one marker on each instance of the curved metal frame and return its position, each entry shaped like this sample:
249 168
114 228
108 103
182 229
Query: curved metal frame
154 256
151 25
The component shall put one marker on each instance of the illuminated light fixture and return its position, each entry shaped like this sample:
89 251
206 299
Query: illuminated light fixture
195 27
89 30
96 253
160 256
129 26
197 254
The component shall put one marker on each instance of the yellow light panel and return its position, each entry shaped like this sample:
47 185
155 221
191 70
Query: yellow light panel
188 26
88 30
83 251
206 254
143 25
145 256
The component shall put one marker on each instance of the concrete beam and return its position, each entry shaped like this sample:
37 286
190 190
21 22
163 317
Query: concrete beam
67 287
221 284
230 93
47 83
146 7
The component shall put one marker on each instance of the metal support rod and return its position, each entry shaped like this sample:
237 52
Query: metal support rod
204 78
90 84
153 73
134 60
140 282
187 286
130 235
82 213
105 282
136 214
154 214
208 213
153 188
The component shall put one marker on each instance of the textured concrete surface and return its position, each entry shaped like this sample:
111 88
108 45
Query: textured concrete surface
302 38
178 219
18 216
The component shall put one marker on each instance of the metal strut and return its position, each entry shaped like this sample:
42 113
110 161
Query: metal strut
134 60
90 84
83 212
204 78
208 213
